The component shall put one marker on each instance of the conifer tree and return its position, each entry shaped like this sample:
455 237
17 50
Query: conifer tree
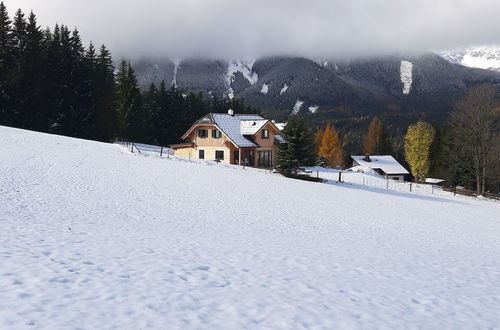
128 102
384 146
6 66
5 35
19 32
32 77
104 95
417 143
331 148
298 149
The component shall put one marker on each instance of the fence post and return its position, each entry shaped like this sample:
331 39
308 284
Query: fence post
410 186
454 191
387 182
161 151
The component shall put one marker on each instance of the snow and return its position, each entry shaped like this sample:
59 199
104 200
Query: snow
265 89
386 163
230 93
284 89
250 127
406 76
433 180
176 70
245 68
482 57
297 106
280 126
313 109
94 237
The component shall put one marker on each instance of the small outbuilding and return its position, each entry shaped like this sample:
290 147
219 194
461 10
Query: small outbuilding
384 165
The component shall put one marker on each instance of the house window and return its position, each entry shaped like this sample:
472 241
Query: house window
396 178
265 134
265 158
201 154
203 133
216 134
219 155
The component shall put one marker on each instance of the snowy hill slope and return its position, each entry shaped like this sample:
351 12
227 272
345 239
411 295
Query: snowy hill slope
94 237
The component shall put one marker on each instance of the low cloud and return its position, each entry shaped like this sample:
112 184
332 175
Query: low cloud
253 28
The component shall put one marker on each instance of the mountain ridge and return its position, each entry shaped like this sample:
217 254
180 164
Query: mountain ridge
407 87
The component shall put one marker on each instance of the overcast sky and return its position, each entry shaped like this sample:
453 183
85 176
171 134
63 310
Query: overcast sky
251 28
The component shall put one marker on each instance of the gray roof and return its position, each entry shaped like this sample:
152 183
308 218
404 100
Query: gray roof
238 128
232 127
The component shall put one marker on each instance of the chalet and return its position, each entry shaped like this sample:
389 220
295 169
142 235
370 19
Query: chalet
231 138
384 165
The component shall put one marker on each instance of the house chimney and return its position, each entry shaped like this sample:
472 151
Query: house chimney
367 158
230 112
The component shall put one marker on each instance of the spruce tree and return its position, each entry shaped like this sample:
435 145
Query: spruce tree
33 76
6 66
128 103
104 95
19 32
5 36
384 146
298 149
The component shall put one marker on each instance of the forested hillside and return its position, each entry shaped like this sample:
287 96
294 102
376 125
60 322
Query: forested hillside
51 82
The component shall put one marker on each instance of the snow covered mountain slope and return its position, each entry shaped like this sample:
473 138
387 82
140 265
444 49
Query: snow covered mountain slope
400 89
94 237
486 57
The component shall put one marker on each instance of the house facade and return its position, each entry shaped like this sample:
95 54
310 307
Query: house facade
384 165
228 138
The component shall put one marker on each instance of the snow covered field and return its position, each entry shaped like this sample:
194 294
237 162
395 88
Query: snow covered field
93 237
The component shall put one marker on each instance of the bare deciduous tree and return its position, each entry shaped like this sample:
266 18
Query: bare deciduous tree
475 125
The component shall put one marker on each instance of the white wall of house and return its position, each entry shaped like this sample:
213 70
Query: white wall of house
210 153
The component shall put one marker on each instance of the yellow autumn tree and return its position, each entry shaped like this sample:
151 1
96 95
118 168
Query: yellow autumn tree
417 143
331 147
372 138
318 138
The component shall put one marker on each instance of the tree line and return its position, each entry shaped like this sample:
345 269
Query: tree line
50 82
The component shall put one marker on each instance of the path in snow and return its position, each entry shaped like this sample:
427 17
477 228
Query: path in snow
94 237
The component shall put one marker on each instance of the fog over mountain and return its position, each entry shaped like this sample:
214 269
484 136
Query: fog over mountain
242 29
